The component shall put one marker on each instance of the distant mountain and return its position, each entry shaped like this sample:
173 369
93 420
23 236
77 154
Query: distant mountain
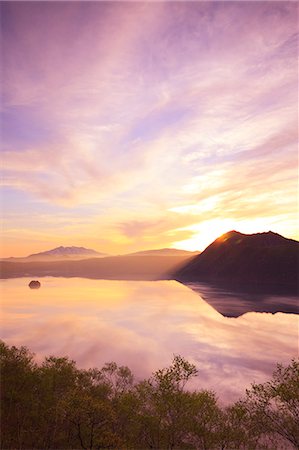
145 267
256 259
69 251
61 253
164 252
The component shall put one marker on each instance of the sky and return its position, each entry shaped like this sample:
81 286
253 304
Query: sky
139 125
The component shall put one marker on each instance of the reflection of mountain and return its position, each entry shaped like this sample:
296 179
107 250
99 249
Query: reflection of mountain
125 267
238 259
61 253
235 303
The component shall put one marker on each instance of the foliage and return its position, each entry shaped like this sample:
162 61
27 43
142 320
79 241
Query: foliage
55 405
275 404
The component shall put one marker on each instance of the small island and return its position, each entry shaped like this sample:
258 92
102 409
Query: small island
34 284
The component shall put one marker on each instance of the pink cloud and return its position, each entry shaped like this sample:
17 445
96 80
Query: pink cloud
87 75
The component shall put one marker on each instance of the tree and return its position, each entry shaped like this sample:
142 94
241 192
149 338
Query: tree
203 429
57 377
56 405
164 406
18 395
91 419
274 405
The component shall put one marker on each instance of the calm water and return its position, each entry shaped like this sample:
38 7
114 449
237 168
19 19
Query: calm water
142 324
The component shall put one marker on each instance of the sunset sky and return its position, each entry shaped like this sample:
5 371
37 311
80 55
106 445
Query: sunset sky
130 126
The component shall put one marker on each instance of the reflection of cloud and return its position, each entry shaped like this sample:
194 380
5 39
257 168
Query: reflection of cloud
152 99
96 321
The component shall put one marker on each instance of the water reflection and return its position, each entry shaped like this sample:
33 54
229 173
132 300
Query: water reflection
142 324
233 302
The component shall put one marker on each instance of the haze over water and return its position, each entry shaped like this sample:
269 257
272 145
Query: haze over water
142 324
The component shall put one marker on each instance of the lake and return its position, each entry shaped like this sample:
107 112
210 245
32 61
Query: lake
141 324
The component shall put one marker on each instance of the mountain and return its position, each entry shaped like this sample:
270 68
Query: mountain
125 267
60 253
67 251
257 259
164 252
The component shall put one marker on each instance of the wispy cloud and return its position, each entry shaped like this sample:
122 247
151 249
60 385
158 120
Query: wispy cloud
138 109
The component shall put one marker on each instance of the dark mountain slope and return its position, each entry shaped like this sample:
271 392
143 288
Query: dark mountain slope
263 258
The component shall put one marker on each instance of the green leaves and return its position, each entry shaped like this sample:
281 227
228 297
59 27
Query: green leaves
275 404
56 405
175 376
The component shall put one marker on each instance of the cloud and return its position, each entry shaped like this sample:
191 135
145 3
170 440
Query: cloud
138 109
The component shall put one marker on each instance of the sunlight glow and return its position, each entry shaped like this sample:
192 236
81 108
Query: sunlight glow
205 233
137 125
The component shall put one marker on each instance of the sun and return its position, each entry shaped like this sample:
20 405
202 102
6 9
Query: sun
206 232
